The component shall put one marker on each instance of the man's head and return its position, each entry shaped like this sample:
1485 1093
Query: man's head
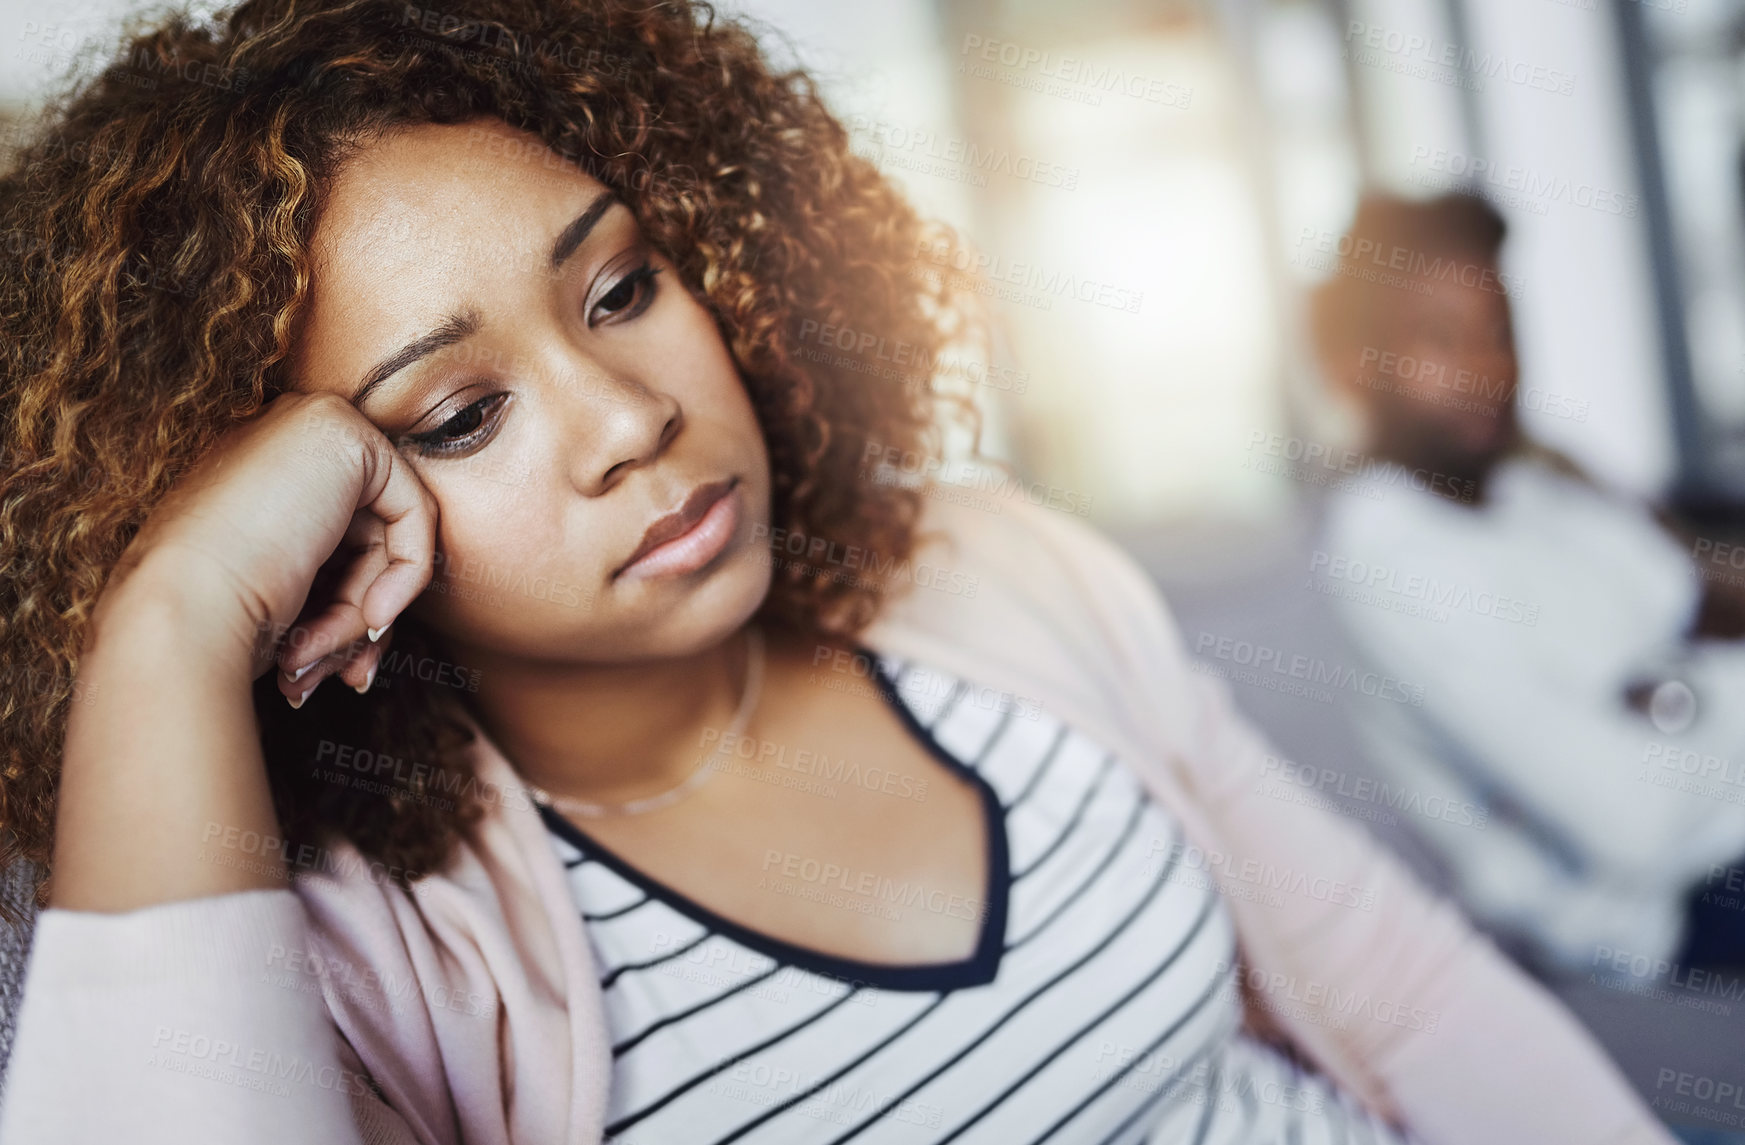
1415 327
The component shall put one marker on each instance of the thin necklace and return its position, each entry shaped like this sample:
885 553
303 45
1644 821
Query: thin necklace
705 766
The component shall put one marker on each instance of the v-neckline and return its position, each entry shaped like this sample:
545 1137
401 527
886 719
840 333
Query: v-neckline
978 969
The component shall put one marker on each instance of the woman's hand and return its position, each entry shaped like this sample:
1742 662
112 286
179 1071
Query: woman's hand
298 535
309 495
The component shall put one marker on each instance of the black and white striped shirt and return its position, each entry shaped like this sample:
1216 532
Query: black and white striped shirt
1100 1005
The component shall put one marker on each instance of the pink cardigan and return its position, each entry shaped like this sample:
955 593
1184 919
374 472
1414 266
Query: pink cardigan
345 1011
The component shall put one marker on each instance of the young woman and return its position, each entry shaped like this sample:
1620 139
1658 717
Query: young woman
497 684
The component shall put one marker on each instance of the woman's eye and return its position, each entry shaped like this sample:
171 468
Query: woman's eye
467 428
629 296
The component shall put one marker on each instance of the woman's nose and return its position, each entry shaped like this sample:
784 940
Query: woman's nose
613 426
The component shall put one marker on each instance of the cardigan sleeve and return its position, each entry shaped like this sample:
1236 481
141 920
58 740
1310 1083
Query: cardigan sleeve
179 1022
1382 982
1460 1045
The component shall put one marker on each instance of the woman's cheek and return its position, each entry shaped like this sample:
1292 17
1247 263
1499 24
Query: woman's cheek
503 561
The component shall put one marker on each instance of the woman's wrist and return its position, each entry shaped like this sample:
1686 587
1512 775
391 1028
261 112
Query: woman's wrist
180 613
162 770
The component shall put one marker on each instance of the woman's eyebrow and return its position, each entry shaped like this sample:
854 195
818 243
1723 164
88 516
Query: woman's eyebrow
577 232
464 324
456 327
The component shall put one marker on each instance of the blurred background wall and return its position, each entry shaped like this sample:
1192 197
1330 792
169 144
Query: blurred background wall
1186 161
1153 183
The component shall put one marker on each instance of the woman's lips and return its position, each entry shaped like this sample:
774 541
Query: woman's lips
689 538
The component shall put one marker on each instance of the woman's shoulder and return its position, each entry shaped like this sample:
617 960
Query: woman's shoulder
1038 602
1020 552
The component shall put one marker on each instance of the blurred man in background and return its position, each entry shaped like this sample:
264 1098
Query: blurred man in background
1581 681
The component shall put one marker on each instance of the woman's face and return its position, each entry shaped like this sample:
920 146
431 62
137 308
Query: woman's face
556 388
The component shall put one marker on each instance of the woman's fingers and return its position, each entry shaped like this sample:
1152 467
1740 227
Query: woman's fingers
359 672
355 664
383 564
397 498
338 619
297 687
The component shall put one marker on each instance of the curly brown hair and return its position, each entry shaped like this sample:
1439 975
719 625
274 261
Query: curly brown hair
157 226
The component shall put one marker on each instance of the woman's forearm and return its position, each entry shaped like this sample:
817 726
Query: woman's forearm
164 794
165 817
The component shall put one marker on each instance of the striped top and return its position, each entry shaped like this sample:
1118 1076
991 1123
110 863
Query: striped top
1101 1004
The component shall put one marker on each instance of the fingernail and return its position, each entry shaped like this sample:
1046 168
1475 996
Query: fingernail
301 672
376 633
369 678
298 702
